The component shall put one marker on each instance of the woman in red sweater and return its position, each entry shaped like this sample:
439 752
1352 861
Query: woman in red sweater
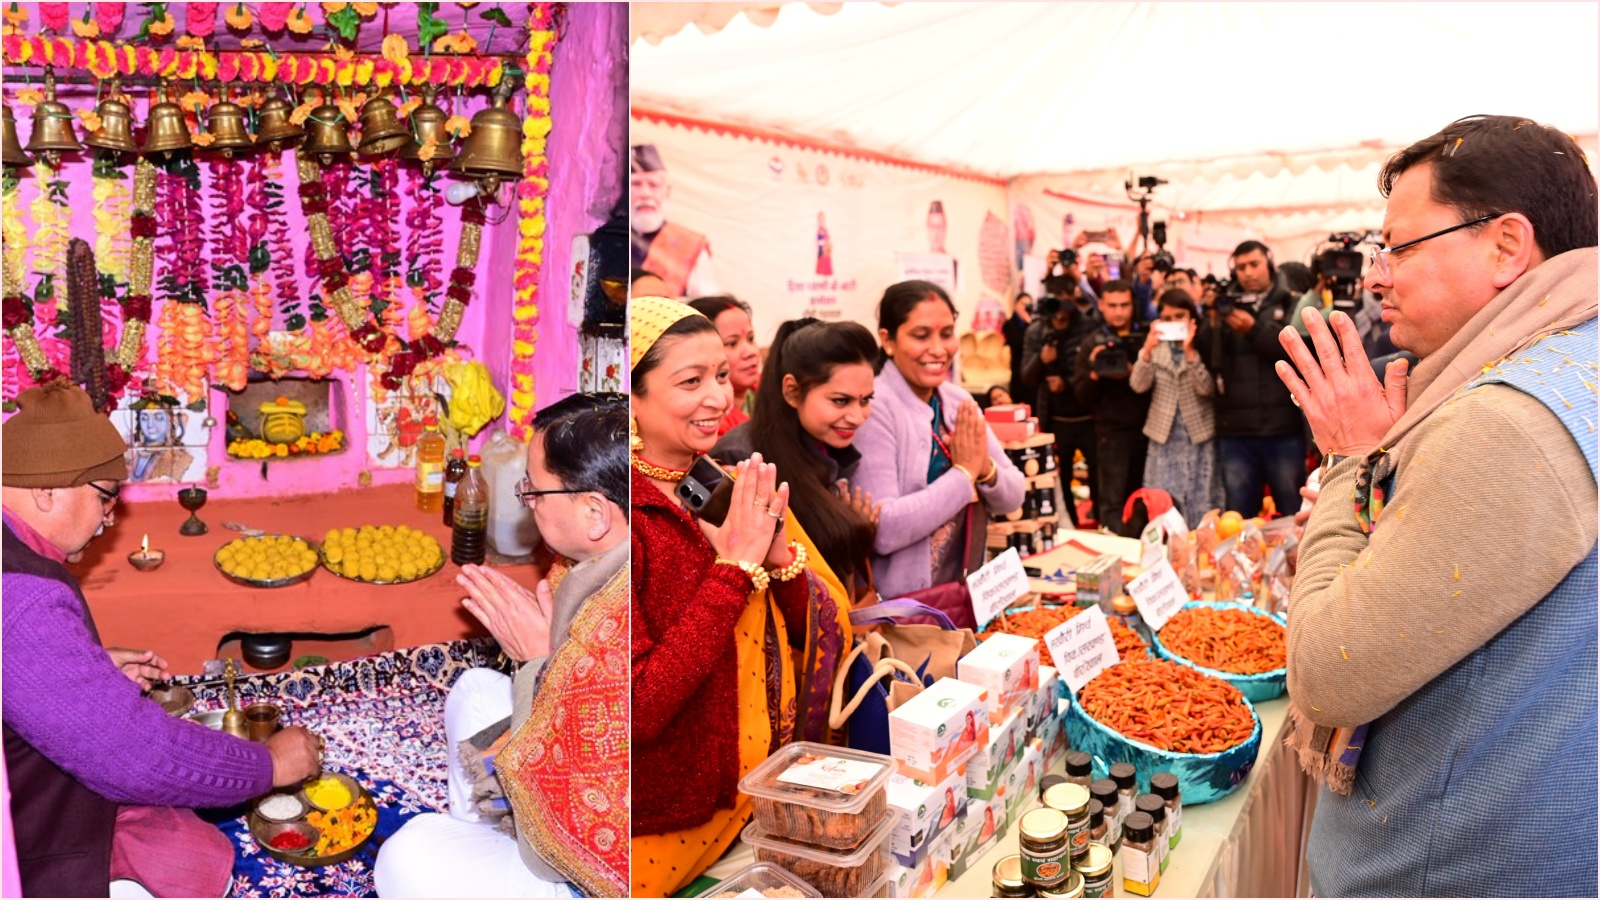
726 619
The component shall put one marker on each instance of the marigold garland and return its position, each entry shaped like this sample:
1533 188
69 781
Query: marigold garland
530 209
113 203
230 257
106 58
52 220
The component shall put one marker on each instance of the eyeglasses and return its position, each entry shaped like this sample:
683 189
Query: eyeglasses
1380 255
527 496
108 498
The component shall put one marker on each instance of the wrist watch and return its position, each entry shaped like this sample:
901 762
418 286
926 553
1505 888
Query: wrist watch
1329 460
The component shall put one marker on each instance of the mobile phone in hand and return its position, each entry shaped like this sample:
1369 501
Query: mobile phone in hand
1172 331
708 491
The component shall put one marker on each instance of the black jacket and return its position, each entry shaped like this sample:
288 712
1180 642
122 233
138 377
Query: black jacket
1013 330
1113 401
1252 401
1035 370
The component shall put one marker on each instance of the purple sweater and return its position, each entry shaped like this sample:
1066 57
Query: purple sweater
895 443
63 695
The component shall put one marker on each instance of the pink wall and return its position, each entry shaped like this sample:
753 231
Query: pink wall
589 105
588 108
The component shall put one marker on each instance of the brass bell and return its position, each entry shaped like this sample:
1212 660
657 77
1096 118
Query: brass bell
273 128
229 126
492 150
327 133
53 133
116 123
166 129
381 129
14 156
428 121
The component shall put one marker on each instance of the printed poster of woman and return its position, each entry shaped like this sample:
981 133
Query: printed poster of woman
824 246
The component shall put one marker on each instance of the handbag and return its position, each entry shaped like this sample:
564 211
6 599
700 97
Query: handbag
890 666
952 598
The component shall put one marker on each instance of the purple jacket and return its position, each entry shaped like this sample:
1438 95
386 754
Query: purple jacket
895 443
66 699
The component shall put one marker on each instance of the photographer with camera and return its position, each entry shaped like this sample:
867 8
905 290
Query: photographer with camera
1182 458
1100 381
1048 350
1261 432
1066 264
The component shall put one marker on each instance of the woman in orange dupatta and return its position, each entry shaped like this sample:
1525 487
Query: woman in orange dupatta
719 615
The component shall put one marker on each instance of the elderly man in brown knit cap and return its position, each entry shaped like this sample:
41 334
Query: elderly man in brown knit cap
103 781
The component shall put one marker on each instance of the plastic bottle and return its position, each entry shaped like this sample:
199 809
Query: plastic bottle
469 534
512 531
430 466
453 473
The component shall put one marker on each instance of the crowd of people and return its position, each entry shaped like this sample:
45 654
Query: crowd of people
860 470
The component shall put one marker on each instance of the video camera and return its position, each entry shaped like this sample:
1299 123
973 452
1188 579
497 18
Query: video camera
1339 265
1113 362
1161 260
1226 294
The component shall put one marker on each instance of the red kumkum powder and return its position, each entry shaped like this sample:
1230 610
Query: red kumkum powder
290 840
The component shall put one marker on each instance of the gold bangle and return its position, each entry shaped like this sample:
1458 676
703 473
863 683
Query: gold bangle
757 575
992 475
793 569
968 472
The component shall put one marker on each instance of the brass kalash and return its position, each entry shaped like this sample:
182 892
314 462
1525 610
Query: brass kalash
228 123
15 156
166 130
116 123
492 150
53 133
427 121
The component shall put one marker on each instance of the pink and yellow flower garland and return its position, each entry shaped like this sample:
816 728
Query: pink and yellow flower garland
108 58
531 225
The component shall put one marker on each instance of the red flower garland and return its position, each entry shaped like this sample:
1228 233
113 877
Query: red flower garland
200 19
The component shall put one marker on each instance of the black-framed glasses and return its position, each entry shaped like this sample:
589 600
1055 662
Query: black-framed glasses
527 496
1381 255
108 498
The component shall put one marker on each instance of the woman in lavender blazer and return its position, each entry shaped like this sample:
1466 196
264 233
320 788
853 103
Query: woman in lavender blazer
925 476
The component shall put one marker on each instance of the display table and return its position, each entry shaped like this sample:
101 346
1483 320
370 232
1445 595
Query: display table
183 609
1248 844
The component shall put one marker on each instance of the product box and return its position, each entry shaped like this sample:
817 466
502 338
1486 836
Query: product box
1014 791
1007 666
1014 432
939 729
922 880
1052 740
990 762
1100 582
1043 702
974 835
924 812
1007 412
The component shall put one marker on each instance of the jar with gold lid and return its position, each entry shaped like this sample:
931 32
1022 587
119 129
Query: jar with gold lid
1073 800
1046 860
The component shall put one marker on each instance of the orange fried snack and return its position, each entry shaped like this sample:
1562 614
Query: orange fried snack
1169 707
1228 640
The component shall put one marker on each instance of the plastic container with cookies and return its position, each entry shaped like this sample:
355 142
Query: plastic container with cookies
830 797
761 880
835 873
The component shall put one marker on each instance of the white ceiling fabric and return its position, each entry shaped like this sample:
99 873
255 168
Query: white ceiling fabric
1249 104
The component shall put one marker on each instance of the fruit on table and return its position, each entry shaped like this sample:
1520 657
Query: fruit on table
1230 524
270 557
381 552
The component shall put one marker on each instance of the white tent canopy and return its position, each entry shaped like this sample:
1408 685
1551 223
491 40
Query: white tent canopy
1273 116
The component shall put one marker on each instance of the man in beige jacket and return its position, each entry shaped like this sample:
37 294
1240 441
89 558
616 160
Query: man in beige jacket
1442 651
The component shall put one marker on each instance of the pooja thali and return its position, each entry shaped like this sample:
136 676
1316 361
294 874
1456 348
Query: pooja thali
326 821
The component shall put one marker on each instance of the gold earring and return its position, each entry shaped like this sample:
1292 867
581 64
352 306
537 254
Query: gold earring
634 441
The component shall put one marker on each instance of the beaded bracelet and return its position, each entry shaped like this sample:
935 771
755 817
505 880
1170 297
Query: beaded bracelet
793 569
758 575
